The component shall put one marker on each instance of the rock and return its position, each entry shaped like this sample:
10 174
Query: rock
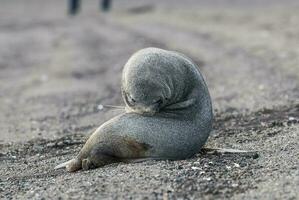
52 144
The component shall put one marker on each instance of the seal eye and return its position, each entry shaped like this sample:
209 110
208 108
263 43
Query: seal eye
159 102
131 100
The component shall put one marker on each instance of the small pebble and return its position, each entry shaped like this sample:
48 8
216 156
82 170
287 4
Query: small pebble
291 118
100 107
60 143
50 144
236 165
2 154
195 168
234 185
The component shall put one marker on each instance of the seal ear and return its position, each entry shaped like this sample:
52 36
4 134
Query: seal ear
167 93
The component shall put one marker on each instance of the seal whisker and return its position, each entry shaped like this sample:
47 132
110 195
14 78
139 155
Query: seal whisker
101 107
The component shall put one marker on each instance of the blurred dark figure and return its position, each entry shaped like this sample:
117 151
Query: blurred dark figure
74 6
105 5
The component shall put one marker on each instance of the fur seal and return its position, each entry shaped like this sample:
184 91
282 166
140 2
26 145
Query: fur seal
168 113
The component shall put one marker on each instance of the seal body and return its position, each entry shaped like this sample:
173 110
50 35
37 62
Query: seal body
168 113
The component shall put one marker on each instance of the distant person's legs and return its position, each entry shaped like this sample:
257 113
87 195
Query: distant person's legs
105 5
74 6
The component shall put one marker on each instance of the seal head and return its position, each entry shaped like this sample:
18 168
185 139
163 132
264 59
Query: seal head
147 83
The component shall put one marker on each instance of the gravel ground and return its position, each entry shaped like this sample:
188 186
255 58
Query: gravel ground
55 70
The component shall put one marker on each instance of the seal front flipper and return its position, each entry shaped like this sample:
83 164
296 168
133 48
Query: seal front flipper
181 105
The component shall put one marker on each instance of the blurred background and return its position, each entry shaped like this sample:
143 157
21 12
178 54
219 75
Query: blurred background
58 63
56 68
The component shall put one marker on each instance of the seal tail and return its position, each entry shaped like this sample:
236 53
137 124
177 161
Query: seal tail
71 165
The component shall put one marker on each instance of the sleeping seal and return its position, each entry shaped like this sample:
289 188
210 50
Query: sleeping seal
168 113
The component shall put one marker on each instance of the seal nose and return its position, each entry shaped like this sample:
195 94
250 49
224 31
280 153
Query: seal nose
146 110
150 110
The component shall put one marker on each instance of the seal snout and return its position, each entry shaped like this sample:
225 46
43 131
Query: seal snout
145 110
144 106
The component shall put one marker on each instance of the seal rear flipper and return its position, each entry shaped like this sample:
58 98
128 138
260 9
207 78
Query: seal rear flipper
61 165
138 160
71 165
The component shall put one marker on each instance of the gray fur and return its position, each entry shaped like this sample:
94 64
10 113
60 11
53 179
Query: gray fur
168 113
